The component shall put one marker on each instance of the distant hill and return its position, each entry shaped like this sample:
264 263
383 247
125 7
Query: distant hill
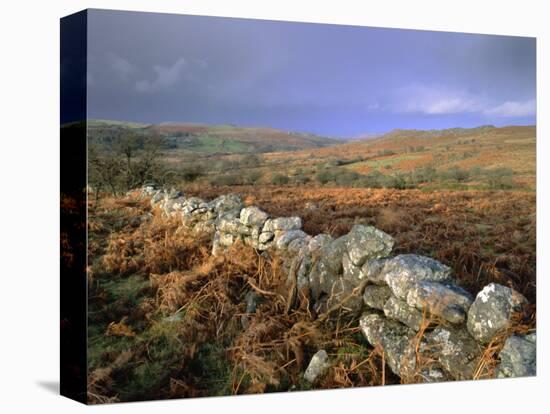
438 133
209 139
404 151
366 136
484 157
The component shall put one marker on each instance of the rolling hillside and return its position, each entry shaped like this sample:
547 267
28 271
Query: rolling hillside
511 148
479 158
185 139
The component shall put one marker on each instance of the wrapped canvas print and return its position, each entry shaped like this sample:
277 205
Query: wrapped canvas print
253 206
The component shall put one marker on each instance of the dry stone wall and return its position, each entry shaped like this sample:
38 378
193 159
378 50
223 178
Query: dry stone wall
356 272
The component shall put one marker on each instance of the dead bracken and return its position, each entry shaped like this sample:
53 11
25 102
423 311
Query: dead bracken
166 316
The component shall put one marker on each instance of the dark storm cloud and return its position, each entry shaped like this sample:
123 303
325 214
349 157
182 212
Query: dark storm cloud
328 79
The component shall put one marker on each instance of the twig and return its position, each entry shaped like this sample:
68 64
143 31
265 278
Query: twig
257 289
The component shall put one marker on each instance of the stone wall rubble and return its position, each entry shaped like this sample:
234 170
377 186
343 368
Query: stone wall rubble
395 295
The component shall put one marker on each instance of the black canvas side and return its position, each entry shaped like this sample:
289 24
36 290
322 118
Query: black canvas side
73 231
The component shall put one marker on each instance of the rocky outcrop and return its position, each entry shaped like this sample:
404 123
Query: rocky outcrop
413 308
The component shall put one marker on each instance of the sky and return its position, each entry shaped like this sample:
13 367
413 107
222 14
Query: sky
332 80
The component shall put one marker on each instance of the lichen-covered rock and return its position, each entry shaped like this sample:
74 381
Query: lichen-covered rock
457 352
301 265
518 358
172 194
297 244
265 246
229 214
283 238
403 271
399 310
199 211
229 225
318 365
168 206
209 215
253 216
157 197
367 243
327 266
447 301
178 203
321 277
492 310
342 292
251 236
372 271
433 374
148 189
283 223
190 205
227 202
226 239
395 339
375 296
351 272
319 241
266 237
204 227
333 252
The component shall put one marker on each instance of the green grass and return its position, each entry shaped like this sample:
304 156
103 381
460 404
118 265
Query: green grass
107 122
211 145
129 289
211 365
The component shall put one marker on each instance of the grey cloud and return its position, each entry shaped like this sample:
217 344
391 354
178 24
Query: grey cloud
512 109
436 100
122 67
442 100
166 76
331 79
